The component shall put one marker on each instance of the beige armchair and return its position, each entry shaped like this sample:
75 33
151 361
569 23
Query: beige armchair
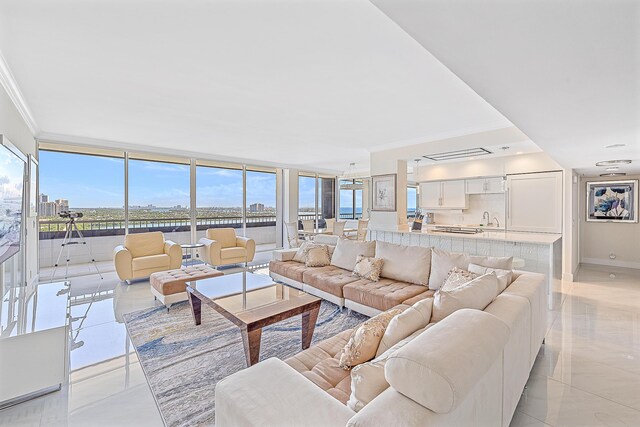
223 247
145 253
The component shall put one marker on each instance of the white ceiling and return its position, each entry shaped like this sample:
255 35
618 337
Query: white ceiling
311 84
567 73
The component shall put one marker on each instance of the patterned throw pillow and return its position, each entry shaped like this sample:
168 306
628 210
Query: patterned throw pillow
456 278
365 339
368 267
301 253
318 256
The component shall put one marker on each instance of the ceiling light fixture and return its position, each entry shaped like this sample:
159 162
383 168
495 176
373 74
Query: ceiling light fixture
613 162
519 152
613 174
615 168
351 175
615 146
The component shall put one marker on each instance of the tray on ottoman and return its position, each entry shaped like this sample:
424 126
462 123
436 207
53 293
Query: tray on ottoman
170 286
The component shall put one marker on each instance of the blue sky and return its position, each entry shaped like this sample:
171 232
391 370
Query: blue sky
91 181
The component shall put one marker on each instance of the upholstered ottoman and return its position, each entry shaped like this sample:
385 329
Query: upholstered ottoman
170 286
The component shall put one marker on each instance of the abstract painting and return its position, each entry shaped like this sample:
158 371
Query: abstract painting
612 201
384 193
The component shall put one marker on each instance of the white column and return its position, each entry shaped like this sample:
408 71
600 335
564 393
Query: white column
290 199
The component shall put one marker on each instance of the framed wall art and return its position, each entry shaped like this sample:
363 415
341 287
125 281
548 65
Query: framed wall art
384 192
612 201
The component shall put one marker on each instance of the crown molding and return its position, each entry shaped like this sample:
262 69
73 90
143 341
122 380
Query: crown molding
8 82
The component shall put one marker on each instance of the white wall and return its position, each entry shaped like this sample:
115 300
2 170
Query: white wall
598 240
16 130
381 164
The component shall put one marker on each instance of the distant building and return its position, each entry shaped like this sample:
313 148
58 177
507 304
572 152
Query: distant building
256 207
63 205
49 209
43 198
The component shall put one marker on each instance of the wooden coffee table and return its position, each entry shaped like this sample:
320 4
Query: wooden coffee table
252 301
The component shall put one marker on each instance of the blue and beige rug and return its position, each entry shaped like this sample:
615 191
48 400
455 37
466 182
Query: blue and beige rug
183 362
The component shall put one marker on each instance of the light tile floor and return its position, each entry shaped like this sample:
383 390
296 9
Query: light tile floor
587 374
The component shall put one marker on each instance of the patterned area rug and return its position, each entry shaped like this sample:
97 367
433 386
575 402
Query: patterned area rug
183 363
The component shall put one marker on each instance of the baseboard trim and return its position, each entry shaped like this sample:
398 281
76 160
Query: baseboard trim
611 262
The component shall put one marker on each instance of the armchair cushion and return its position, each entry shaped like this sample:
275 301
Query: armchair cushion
228 253
151 261
144 244
226 236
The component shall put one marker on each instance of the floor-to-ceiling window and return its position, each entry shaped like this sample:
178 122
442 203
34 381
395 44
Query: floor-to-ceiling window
219 192
159 197
307 200
412 200
351 198
261 206
90 184
316 198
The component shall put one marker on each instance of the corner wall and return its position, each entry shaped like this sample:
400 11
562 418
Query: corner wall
600 239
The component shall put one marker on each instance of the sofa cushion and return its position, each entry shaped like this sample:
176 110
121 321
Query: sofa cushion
426 294
476 294
144 244
504 276
367 379
405 263
365 339
368 268
504 263
318 257
383 294
150 262
347 251
441 264
442 365
229 253
226 236
458 277
406 323
289 269
328 279
319 364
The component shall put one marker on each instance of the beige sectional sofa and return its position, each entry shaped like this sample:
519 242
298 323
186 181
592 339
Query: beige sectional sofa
468 369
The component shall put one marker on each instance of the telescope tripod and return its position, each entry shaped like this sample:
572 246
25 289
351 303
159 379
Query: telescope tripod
69 241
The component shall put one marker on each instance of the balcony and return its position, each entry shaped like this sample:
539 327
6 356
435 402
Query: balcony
103 236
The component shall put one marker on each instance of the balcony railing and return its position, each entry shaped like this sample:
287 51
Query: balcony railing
94 228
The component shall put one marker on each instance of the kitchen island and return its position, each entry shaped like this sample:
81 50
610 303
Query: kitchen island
535 252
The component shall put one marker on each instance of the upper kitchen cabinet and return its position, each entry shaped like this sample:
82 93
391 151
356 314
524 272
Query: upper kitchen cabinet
444 195
485 185
534 202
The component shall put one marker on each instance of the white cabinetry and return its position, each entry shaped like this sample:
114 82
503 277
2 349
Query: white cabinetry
485 185
534 202
443 195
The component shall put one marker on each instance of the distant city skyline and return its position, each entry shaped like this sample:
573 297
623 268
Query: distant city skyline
98 182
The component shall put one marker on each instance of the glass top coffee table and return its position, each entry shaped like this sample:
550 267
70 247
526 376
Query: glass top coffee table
252 301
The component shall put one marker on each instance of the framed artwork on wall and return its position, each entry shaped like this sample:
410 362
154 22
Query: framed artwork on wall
612 201
384 193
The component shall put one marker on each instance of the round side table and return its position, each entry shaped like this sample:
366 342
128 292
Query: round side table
189 249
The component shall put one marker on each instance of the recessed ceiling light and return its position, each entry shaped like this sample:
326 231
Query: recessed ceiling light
615 146
519 152
613 162
505 147
615 168
472 158
613 174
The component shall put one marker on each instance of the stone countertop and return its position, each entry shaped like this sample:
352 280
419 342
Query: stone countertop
501 236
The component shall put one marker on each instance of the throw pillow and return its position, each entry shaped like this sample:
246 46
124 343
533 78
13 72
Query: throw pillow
367 379
365 339
458 277
318 257
505 277
301 253
476 294
441 264
405 263
368 268
346 252
406 323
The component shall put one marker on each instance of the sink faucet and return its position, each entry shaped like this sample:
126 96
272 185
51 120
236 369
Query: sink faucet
485 215
497 222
